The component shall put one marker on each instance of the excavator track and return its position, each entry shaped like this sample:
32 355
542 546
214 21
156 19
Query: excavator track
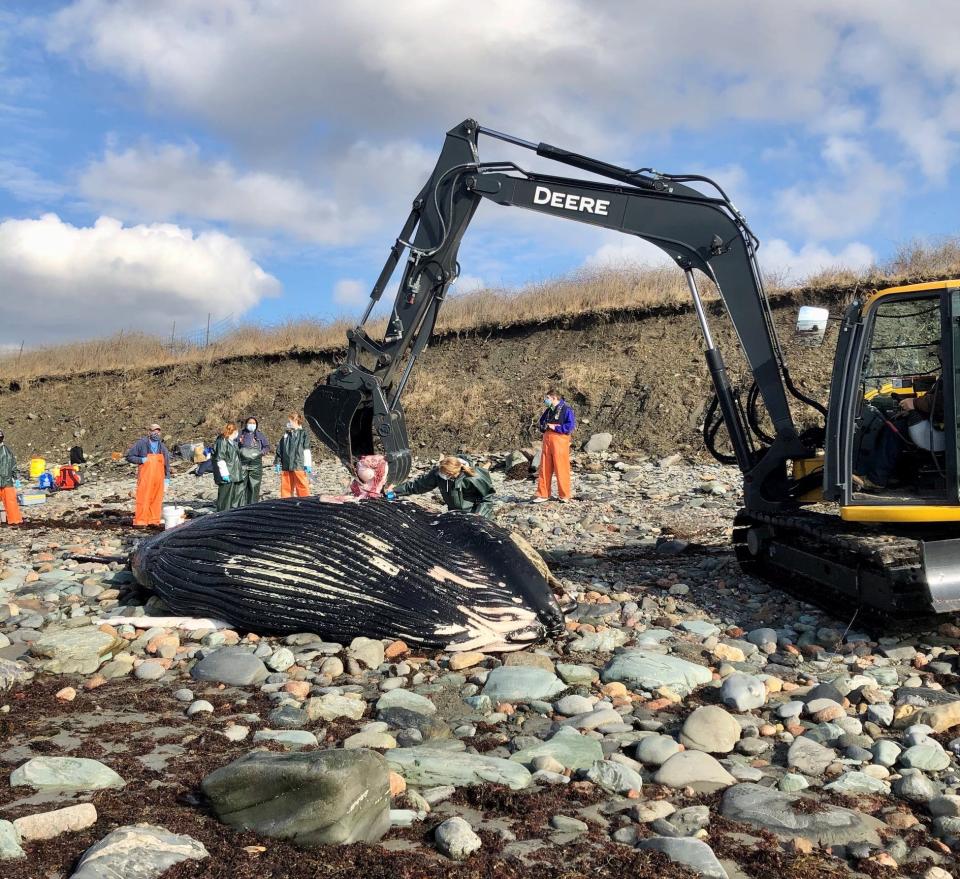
893 577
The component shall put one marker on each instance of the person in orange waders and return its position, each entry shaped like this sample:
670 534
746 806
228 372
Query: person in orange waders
153 475
293 459
8 484
556 425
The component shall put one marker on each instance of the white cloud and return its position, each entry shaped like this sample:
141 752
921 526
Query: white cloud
467 284
778 259
626 251
63 281
24 184
350 292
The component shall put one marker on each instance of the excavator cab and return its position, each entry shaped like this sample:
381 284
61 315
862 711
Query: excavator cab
892 399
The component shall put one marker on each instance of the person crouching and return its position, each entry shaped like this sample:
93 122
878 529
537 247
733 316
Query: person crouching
153 475
293 459
462 486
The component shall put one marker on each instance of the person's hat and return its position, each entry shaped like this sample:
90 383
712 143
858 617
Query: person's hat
154 427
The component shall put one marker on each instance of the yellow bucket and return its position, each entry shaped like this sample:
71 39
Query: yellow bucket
37 466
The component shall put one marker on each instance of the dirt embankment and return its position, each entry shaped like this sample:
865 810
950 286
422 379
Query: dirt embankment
639 375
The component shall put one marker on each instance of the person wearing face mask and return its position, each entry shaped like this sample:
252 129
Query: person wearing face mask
556 424
462 485
9 483
293 460
153 475
227 469
253 445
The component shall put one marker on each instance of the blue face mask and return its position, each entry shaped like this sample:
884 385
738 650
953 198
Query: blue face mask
548 402
155 435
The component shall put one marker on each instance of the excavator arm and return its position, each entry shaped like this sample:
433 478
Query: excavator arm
700 232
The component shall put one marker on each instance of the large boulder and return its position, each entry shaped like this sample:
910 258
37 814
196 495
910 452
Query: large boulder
75 651
647 670
230 665
692 853
430 767
694 769
138 851
567 746
785 815
312 799
65 774
518 683
598 442
710 729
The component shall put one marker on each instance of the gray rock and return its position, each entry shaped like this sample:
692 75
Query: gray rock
456 839
615 778
948 805
201 706
928 756
518 683
569 706
151 670
914 786
566 824
407 700
288 717
774 811
312 799
655 750
880 714
281 659
370 739
13 673
294 739
699 627
885 752
692 853
857 783
710 729
10 842
598 442
743 692
427 766
74 651
138 851
809 757
599 642
576 674
694 769
65 774
366 651
330 706
568 747
230 665
765 639
647 670
792 783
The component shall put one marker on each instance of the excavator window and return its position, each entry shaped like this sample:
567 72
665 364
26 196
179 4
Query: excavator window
900 441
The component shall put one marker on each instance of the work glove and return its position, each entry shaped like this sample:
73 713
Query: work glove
226 478
17 483
309 470
390 495
166 483
276 468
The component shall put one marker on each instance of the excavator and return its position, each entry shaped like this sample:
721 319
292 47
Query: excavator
809 523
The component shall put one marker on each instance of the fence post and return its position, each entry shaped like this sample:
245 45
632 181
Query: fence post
21 352
173 330
207 343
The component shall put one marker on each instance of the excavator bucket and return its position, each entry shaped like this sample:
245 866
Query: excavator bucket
344 420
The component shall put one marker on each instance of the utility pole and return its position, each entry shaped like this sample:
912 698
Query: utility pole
173 330
207 343
21 352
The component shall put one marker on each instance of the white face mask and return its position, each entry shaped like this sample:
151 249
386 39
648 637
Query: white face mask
251 426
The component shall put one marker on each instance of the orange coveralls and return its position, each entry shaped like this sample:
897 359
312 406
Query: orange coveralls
554 461
293 483
9 498
150 477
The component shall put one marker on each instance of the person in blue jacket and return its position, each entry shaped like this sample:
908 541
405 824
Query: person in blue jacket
556 424
153 476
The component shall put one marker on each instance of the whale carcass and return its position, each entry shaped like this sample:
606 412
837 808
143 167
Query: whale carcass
374 568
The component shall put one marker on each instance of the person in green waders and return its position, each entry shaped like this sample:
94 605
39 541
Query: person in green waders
462 485
226 469
253 445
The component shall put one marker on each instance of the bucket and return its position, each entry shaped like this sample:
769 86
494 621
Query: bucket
37 466
173 516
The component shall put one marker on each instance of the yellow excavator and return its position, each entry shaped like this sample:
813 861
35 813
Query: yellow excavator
860 511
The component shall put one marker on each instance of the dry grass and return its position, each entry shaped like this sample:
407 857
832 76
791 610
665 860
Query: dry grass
579 293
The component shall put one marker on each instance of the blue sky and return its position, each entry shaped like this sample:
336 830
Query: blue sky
256 158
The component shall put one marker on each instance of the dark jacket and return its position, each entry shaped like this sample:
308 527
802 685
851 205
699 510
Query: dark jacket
290 449
225 450
562 415
141 448
931 403
462 493
253 440
8 466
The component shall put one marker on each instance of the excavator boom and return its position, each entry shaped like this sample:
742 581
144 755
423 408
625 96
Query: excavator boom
360 402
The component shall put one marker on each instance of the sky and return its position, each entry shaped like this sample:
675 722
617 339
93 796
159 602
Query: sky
254 159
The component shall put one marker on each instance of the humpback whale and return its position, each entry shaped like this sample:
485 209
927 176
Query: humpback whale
374 568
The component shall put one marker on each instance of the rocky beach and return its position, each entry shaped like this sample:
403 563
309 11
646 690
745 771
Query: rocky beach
691 721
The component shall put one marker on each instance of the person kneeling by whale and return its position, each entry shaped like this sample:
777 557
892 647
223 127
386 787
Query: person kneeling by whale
462 485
